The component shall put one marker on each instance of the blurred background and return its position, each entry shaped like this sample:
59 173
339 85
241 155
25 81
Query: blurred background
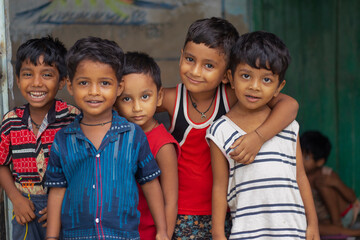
323 37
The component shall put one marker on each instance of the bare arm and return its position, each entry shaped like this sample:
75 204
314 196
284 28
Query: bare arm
168 102
284 111
167 161
23 207
55 200
220 171
154 197
312 231
331 229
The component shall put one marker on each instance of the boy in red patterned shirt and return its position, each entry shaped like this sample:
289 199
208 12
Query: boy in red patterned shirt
27 133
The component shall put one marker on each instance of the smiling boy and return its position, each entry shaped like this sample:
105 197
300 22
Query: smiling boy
28 131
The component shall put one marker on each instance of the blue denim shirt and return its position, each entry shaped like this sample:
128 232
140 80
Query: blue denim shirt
101 195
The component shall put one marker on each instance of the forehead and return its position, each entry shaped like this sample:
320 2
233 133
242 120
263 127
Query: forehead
138 82
201 51
40 65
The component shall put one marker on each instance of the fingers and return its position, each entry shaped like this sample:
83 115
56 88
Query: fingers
32 206
43 218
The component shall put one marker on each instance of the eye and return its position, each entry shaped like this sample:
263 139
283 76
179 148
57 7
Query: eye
47 75
126 99
105 83
189 59
145 96
208 65
26 74
245 76
267 80
83 83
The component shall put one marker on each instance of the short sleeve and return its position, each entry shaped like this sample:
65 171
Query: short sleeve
5 156
54 176
147 167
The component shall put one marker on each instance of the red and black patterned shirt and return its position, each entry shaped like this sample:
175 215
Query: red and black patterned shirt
29 154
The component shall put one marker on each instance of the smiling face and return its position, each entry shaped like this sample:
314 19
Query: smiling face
95 89
39 84
202 68
139 100
254 88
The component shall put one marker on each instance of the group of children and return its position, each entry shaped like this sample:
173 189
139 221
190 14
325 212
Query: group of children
233 142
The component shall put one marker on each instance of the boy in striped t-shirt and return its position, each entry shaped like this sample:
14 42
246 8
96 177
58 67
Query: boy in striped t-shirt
269 198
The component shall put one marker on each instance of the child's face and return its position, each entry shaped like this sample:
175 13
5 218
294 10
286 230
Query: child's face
39 84
202 68
254 88
310 164
138 102
95 89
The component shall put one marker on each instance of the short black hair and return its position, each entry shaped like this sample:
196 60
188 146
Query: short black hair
53 51
139 62
315 143
97 50
261 49
214 33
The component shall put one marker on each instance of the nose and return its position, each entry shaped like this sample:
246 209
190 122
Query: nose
137 106
196 70
37 81
94 89
254 84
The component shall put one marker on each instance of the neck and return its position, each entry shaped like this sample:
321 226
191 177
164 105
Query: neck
96 120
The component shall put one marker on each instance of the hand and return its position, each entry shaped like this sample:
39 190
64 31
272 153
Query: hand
43 218
162 236
312 233
246 148
23 210
325 181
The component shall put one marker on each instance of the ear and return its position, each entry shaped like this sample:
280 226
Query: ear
69 87
181 53
120 88
160 97
320 162
17 81
229 78
62 82
280 87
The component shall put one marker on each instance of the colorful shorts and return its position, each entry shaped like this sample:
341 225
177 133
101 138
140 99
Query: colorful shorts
197 227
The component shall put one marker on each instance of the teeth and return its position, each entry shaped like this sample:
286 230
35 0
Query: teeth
37 94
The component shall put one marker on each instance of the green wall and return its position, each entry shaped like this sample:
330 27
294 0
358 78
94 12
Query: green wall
324 41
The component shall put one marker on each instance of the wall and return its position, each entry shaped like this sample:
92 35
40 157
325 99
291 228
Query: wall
156 27
324 40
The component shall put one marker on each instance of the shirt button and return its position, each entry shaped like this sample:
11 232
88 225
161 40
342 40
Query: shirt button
98 155
94 186
97 220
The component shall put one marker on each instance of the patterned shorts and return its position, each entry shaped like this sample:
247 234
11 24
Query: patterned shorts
197 227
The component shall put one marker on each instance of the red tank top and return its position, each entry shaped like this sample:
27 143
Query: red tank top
194 166
157 138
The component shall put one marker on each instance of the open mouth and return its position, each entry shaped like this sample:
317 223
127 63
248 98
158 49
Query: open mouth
37 95
252 98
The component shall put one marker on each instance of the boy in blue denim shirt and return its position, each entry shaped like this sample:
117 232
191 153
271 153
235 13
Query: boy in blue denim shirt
96 161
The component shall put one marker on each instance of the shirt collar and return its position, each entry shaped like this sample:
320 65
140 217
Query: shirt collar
118 125
52 115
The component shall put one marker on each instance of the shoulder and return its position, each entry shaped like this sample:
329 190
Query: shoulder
13 116
169 99
64 107
291 129
230 93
